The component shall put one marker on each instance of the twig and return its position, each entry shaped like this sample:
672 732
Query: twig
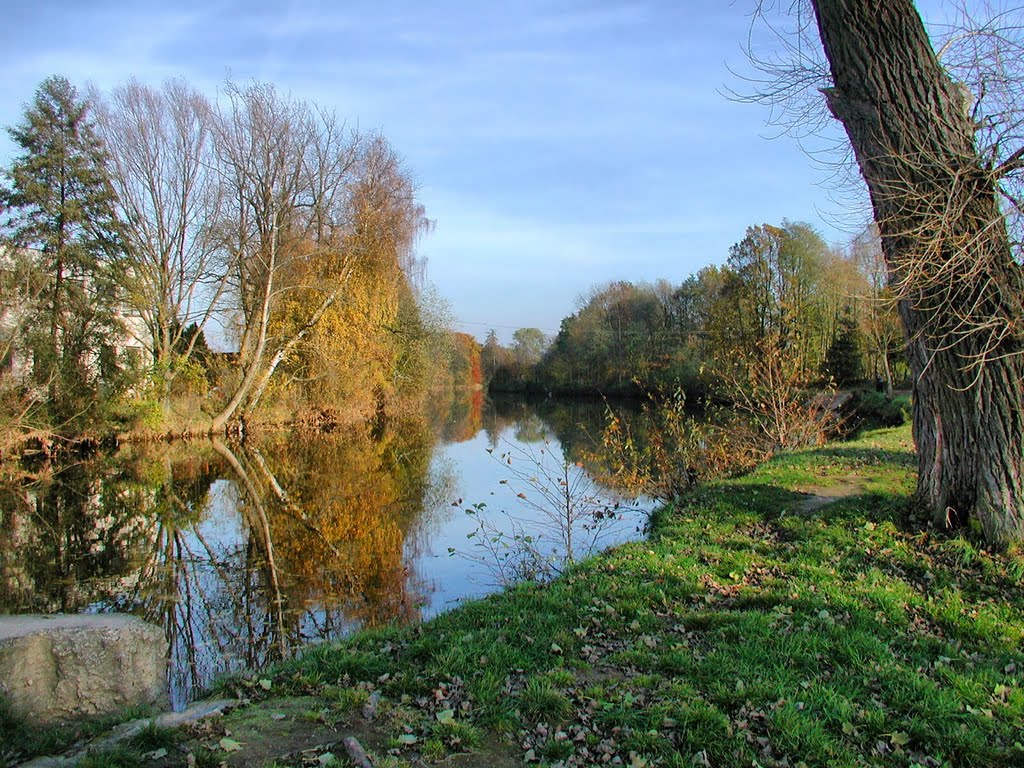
370 707
356 753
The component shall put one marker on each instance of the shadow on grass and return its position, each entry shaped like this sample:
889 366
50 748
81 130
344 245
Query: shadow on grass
862 456
21 738
872 531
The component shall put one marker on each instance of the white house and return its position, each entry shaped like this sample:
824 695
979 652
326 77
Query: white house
20 286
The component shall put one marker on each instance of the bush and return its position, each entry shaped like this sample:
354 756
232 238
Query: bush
876 409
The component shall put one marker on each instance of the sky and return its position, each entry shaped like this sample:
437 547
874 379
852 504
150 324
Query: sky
557 144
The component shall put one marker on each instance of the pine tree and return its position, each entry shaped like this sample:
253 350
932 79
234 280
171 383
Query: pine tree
491 355
844 357
60 202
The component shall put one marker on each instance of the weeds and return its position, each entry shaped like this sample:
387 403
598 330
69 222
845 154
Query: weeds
561 514
675 452
769 388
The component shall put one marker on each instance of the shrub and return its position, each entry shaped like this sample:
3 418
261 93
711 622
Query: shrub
872 409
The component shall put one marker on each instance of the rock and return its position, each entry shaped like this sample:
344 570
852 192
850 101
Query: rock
61 667
833 402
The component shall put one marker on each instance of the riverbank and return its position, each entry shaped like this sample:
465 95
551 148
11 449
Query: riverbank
786 617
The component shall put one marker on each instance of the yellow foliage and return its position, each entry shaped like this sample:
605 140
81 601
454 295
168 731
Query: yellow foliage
341 544
354 355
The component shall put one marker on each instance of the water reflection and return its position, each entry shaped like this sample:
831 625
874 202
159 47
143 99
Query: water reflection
244 553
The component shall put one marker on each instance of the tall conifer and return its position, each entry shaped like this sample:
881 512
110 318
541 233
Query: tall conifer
59 201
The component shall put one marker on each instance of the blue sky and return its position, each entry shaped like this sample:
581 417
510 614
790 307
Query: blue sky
558 144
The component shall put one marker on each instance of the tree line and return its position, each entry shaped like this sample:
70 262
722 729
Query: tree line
137 224
827 310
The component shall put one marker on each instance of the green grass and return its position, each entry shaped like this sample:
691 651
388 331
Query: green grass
540 701
119 757
22 739
744 631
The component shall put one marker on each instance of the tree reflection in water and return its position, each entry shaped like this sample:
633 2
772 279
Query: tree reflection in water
244 553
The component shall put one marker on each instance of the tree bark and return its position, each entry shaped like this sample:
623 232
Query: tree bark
946 244
255 360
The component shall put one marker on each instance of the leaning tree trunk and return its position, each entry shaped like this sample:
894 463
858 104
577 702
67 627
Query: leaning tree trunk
946 245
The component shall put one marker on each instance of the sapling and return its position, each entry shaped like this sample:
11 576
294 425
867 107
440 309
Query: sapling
560 515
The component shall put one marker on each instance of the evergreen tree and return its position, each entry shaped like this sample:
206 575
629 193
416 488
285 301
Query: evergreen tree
492 355
844 357
60 202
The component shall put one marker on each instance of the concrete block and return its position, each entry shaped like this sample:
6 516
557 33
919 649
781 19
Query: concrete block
61 667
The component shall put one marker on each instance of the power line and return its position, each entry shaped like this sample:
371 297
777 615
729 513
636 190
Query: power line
503 327
664 333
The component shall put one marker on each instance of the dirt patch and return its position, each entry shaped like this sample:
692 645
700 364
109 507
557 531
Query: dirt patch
261 732
821 496
307 731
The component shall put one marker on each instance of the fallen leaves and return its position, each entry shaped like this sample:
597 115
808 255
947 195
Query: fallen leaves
229 745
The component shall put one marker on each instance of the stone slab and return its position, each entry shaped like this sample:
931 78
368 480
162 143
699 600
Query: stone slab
63 667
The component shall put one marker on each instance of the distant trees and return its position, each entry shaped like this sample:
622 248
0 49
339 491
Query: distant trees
58 200
781 287
844 358
514 368
491 355
880 321
466 362
624 337
783 282
528 345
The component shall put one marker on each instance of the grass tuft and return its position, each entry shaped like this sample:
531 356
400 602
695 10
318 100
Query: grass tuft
540 701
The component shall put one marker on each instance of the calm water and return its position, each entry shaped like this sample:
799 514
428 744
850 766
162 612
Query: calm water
246 553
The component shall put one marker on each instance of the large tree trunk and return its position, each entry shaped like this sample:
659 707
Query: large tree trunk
946 245
253 361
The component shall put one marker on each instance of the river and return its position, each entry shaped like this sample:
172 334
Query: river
245 553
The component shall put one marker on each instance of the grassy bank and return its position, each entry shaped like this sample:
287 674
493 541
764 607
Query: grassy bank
788 617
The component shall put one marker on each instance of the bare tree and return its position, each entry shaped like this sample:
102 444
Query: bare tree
940 146
160 143
879 316
287 167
